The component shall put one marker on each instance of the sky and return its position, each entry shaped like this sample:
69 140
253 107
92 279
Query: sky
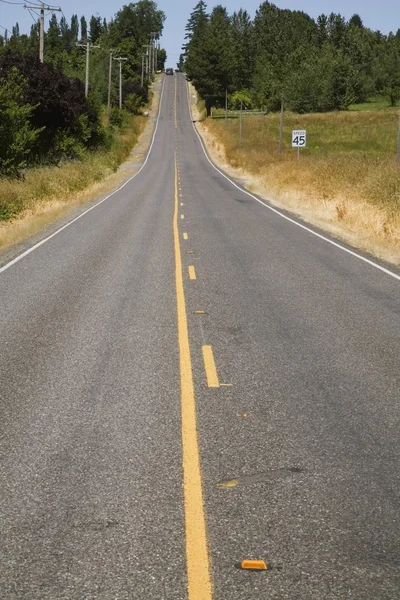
384 15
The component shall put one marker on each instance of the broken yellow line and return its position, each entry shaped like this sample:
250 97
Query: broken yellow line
209 365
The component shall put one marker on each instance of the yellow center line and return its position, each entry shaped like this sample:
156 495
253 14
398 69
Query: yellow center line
192 272
197 560
209 365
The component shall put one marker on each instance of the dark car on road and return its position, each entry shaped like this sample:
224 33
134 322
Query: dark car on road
169 71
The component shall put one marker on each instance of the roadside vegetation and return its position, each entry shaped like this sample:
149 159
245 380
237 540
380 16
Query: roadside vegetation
55 183
334 78
55 141
347 179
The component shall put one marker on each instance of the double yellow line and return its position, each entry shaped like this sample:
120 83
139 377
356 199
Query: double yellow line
197 559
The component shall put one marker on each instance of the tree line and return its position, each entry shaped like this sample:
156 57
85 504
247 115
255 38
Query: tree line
313 65
44 114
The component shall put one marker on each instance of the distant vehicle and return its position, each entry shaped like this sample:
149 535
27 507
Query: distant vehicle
169 71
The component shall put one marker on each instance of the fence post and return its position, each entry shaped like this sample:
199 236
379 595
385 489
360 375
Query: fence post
281 130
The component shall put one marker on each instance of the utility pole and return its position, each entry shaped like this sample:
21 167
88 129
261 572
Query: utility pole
147 59
142 78
109 85
88 47
154 35
281 129
41 39
40 10
120 60
150 57
226 104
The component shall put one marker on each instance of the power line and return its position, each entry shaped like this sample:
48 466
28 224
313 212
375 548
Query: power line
42 9
14 3
44 5
35 20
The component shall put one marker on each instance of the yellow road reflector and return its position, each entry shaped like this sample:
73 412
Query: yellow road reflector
185 236
209 365
229 484
226 384
254 565
182 216
189 251
192 272
200 312
243 415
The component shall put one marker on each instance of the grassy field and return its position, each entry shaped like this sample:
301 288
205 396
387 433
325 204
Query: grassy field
347 179
378 103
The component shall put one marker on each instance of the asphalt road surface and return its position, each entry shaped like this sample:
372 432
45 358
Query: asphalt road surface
181 298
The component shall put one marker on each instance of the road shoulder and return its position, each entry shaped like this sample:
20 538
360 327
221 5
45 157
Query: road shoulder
51 217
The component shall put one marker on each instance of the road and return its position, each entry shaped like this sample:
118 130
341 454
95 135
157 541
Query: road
190 379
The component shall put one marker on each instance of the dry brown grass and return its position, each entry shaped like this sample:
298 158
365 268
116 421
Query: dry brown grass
347 180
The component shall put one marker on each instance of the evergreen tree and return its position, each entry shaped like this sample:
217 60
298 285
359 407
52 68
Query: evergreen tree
74 28
211 61
15 31
356 21
198 18
53 38
95 29
84 30
243 49
195 32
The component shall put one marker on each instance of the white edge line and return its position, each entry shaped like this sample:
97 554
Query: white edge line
278 212
49 237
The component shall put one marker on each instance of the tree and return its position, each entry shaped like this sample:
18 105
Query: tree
84 30
95 29
74 28
15 31
243 49
387 69
161 58
356 21
53 38
181 62
17 136
211 62
66 120
198 18
195 31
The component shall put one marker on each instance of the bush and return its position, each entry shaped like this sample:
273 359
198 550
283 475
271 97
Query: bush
65 119
17 136
119 118
133 103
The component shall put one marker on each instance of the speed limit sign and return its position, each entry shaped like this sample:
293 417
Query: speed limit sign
299 137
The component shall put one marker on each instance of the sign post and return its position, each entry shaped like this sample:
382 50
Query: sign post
299 139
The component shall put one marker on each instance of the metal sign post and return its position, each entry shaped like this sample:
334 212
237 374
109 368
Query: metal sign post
299 139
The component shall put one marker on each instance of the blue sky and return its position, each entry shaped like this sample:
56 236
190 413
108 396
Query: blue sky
384 15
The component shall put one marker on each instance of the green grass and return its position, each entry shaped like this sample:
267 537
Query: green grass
378 103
